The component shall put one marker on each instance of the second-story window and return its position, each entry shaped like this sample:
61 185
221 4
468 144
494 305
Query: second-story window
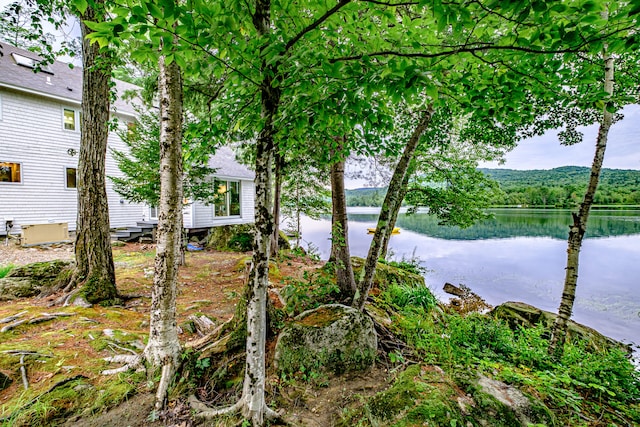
69 119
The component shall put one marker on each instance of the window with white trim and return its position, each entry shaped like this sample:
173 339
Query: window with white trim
10 172
227 202
70 119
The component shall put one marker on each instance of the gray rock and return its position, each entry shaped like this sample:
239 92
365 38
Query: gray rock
17 287
526 410
332 338
30 280
521 314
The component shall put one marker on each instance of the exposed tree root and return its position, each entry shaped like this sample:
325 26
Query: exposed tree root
23 373
45 317
165 379
130 362
13 325
13 317
204 341
205 412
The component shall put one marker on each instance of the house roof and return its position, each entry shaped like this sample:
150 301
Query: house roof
61 82
56 80
225 164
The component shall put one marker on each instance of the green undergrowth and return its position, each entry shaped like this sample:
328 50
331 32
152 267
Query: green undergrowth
5 269
583 388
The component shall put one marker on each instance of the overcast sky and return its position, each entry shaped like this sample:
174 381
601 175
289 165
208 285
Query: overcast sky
545 152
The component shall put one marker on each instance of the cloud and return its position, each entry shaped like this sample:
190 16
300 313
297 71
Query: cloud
545 152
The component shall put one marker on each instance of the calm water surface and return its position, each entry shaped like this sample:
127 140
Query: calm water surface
520 255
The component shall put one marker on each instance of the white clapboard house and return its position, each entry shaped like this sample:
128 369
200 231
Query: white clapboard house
39 143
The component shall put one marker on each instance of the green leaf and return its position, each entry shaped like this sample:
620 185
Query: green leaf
155 11
80 5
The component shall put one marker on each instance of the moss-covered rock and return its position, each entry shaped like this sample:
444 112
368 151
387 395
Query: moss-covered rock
283 241
520 314
424 395
509 404
331 338
32 279
387 275
231 237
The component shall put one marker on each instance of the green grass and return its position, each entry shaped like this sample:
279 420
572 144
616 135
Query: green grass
5 269
597 385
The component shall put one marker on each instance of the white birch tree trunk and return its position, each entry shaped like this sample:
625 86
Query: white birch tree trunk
163 348
579 227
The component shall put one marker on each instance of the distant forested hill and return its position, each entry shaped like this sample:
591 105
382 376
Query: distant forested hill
365 196
564 186
559 187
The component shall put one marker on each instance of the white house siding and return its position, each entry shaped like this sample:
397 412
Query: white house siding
32 134
247 201
202 215
125 213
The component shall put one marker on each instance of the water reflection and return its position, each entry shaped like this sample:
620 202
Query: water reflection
525 263
507 223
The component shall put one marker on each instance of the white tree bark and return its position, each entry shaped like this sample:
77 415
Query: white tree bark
163 348
579 227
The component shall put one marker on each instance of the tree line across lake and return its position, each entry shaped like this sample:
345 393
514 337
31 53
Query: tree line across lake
560 187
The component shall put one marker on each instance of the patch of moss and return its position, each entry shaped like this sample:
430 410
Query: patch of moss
76 397
417 397
99 290
322 316
39 270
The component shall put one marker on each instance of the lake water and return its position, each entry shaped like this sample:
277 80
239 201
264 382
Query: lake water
519 255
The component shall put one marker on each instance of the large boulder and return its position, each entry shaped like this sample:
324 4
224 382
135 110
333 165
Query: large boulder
30 280
237 237
331 338
521 314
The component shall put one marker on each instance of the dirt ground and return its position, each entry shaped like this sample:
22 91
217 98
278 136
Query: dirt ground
16 255
210 284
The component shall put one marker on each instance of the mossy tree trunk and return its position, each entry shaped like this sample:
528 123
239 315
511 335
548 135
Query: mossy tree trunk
579 227
340 254
390 207
163 348
95 271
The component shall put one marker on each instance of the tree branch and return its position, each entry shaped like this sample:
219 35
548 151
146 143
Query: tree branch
315 24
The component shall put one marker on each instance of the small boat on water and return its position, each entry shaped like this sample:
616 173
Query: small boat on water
395 230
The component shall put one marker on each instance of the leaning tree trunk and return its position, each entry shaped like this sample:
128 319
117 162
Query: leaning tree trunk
95 272
394 217
277 194
390 207
163 348
340 253
579 227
